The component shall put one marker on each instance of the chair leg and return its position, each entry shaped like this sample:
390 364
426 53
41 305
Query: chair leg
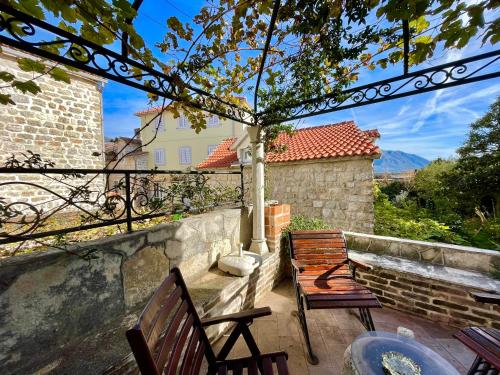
366 318
481 367
312 358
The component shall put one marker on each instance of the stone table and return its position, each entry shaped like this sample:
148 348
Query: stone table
364 355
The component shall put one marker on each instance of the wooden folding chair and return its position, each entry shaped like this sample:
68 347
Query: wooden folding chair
169 337
324 278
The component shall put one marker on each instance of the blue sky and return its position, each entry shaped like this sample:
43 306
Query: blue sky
430 125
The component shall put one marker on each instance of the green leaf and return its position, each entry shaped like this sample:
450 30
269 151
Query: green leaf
32 8
424 39
6 76
27 86
30 65
5 99
60 75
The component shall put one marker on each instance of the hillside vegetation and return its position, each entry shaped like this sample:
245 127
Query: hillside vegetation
453 201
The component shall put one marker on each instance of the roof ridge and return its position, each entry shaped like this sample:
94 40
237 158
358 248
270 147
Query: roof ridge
347 122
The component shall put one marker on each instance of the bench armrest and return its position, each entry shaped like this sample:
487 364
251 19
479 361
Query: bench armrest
298 265
243 317
363 266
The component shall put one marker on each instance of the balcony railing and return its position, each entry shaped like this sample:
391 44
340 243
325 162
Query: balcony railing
33 199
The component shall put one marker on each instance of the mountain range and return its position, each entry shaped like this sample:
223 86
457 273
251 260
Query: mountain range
398 161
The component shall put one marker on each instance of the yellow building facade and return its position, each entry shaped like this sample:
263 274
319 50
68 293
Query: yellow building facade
173 145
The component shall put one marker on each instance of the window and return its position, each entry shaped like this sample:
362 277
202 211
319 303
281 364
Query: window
159 155
160 124
183 123
211 149
185 155
246 155
213 121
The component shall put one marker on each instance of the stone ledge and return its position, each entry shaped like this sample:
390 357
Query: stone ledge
455 256
456 276
433 292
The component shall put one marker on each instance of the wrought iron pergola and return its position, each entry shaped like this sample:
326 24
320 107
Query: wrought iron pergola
20 30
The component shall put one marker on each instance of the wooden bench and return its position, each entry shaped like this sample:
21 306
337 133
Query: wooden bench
324 278
169 337
485 342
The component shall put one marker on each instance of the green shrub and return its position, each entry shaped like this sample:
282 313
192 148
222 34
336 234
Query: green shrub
300 222
409 221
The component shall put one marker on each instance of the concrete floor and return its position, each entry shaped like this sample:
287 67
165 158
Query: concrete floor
332 331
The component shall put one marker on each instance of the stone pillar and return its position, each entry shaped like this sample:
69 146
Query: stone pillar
258 244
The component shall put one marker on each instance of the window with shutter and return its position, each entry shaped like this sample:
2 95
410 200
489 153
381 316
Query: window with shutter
183 123
213 121
159 156
211 149
160 124
185 155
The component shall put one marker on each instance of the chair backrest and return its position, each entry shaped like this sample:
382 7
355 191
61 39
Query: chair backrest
168 333
320 250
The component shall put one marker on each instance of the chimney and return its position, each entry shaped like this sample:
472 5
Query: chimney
137 133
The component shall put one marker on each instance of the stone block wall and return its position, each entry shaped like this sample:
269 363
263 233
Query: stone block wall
63 123
455 256
439 301
429 279
338 191
62 312
49 300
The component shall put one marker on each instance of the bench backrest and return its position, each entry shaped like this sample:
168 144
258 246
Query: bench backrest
168 337
320 249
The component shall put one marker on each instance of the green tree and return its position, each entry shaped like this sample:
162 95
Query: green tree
477 171
433 190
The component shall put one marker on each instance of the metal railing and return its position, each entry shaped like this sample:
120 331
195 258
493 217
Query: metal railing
72 200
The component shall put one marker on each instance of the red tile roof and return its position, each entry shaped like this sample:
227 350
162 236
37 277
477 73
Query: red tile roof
372 133
221 157
344 139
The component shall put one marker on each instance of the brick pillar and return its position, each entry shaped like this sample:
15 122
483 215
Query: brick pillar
276 218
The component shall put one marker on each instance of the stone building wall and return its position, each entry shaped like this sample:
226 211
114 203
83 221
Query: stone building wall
62 123
338 191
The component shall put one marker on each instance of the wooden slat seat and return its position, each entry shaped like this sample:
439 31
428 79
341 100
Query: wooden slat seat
169 337
485 342
324 277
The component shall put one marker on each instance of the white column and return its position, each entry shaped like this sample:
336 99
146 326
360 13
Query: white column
259 244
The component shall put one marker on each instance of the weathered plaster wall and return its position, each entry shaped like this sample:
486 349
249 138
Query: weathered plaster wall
63 123
338 191
50 299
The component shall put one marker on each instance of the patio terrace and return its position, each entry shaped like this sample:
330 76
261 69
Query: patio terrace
333 330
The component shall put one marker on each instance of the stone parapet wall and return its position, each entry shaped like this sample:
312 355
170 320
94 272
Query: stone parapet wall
433 292
61 312
53 299
455 256
63 123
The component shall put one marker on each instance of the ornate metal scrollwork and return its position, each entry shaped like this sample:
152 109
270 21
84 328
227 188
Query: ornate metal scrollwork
42 201
22 31
451 74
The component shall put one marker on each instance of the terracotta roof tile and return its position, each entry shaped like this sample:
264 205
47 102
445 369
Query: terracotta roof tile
344 139
372 133
221 157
